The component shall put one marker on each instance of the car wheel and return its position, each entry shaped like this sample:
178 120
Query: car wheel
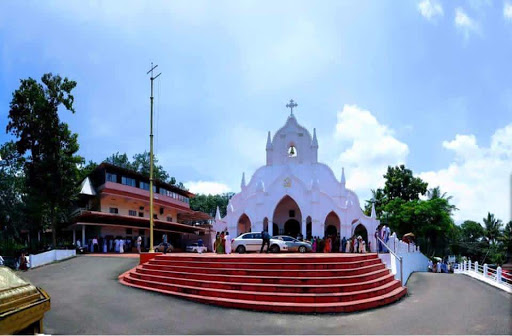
156 250
274 248
240 249
302 249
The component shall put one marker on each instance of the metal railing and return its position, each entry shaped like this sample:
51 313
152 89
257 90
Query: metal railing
495 275
396 256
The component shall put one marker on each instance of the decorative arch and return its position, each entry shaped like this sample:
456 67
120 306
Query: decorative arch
332 224
287 216
309 228
360 230
244 225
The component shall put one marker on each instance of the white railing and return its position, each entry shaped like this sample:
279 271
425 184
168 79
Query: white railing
495 277
400 259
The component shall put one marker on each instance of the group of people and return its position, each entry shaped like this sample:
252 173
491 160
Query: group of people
440 267
332 244
383 232
111 244
222 244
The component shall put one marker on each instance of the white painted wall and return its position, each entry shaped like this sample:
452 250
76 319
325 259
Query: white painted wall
49 257
312 185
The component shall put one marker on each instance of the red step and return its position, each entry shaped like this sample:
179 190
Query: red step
266 265
309 283
286 307
262 287
268 272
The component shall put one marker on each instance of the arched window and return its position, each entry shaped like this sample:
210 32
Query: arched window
292 151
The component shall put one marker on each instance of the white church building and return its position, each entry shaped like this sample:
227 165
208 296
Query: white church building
294 193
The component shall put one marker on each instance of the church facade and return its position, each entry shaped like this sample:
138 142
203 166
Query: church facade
294 194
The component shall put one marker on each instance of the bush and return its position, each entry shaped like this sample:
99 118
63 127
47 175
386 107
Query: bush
10 247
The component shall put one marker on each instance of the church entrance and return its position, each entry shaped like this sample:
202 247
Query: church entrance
292 228
332 225
288 217
360 230
244 225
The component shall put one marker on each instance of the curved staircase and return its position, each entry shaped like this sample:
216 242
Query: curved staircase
311 283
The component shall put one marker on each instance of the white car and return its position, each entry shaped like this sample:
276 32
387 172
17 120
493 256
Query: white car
196 248
251 242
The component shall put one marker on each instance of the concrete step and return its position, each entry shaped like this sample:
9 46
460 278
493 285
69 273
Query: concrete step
284 307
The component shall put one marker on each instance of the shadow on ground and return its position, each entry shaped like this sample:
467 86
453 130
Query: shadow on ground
88 299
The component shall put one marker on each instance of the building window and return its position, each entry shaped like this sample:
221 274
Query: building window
113 210
144 185
128 181
292 213
132 212
169 219
128 231
163 191
292 151
141 214
155 216
111 177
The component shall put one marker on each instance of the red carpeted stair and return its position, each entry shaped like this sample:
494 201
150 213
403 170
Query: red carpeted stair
306 283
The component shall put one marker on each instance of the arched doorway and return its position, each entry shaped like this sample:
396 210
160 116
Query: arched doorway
244 225
360 230
309 228
287 216
292 228
275 229
332 224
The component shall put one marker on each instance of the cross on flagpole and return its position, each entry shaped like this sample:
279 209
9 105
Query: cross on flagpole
291 105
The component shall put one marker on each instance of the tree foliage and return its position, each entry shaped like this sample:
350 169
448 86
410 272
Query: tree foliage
141 165
48 146
209 203
400 183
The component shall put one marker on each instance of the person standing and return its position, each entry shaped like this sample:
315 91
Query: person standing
265 240
165 242
313 245
227 246
95 244
139 242
343 244
217 243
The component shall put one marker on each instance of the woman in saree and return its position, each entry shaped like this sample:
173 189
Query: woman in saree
222 243
217 242
327 247
313 245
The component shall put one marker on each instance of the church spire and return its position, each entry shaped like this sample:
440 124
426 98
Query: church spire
242 185
343 181
373 215
314 143
217 214
269 141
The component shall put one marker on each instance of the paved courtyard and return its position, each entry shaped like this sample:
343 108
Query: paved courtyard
88 299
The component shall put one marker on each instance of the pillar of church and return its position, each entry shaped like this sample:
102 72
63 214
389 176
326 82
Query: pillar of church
257 226
74 236
304 227
83 235
317 228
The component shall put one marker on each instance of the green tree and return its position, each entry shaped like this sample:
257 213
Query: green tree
120 160
492 228
400 183
141 164
12 181
209 203
380 200
85 170
471 231
48 146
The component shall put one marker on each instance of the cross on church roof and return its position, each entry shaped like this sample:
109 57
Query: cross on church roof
291 105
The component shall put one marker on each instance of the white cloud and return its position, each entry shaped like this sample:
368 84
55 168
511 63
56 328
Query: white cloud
465 24
479 178
430 9
507 10
207 187
373 148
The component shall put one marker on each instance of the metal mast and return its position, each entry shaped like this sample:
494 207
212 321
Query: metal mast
151 160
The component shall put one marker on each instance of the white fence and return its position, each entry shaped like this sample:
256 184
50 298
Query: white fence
50 256
494 277
412 258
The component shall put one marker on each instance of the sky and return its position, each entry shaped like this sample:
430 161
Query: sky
425 83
